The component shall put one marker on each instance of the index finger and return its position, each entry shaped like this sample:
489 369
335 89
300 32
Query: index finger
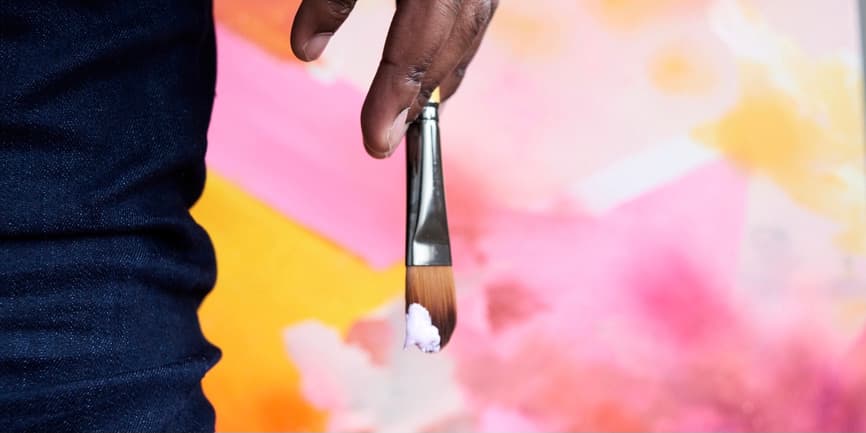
418 31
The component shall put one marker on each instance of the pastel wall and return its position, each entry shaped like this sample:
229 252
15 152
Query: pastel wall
658 212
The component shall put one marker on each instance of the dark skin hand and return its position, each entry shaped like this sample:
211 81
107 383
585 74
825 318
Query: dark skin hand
430 44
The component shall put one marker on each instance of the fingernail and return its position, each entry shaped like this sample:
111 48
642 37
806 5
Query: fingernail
397 131
314 47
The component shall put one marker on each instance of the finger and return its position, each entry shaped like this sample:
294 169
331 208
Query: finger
448 85
451 83
315 23
462 43
418 31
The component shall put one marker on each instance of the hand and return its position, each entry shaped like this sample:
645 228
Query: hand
429 45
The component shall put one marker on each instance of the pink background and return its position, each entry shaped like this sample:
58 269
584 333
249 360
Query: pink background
658 213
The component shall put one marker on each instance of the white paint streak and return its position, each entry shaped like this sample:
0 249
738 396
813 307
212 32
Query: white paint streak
420 330
641 172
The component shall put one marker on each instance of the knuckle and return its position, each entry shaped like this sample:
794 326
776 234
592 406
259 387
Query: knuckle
494 4
479 23
460 70
478 17
483 12
450 8
418 69
340 8
415 75
411 75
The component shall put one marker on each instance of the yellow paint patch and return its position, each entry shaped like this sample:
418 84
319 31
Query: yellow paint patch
528 32
850 313
808 138
629 14
272 273
677 70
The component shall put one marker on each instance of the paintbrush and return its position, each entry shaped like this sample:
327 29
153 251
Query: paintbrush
431 312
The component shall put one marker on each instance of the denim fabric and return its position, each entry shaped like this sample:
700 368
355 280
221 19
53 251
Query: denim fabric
104 110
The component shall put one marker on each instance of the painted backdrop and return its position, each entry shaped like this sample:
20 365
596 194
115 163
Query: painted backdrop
658 212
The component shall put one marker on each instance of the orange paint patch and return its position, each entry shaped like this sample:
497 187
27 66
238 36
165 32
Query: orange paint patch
267 23
676 70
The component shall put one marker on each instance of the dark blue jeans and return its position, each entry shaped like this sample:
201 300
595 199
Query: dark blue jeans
104 110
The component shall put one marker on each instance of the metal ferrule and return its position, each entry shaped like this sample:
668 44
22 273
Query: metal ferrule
427 242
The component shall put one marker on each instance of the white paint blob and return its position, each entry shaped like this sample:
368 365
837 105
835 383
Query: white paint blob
420 330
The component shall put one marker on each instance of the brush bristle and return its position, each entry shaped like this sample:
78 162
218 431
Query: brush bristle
433 288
